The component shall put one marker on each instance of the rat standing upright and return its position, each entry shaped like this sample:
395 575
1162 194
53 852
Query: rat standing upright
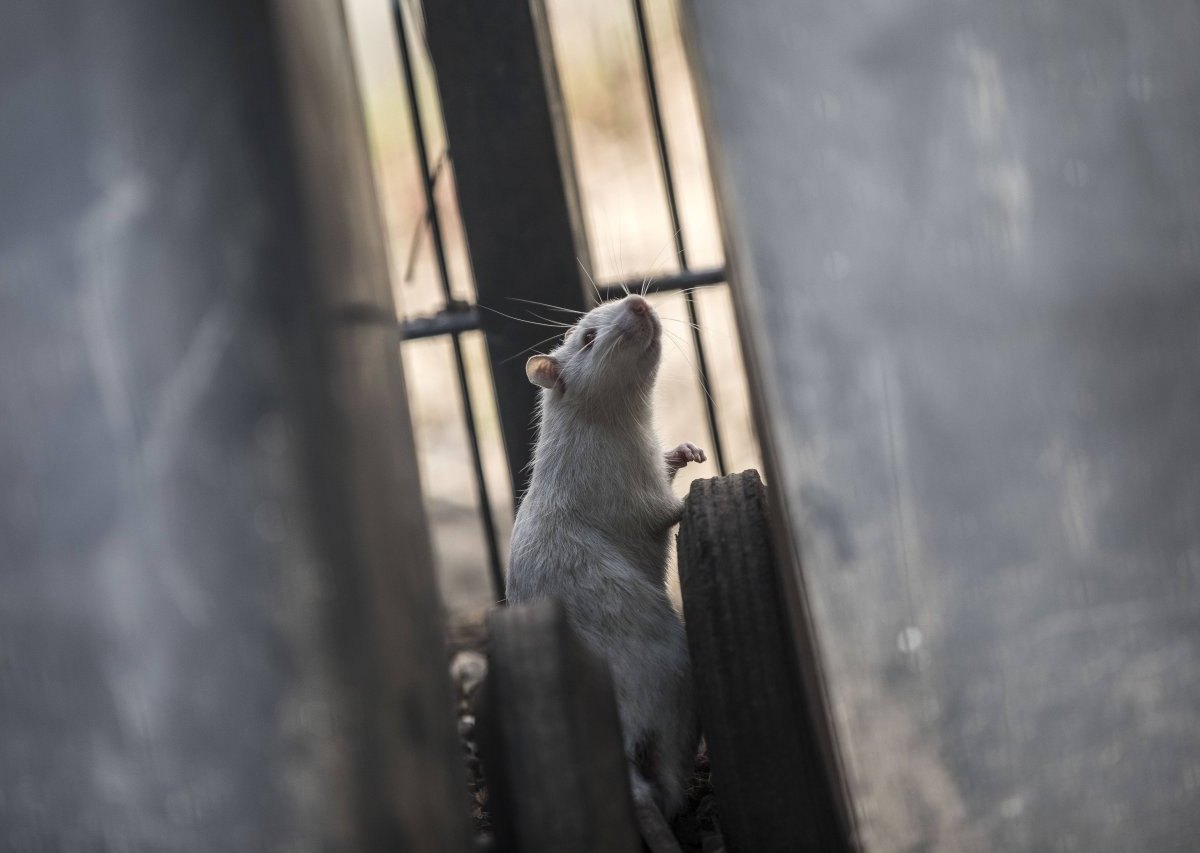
593 531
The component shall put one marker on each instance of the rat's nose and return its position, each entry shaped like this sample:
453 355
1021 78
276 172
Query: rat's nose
638 305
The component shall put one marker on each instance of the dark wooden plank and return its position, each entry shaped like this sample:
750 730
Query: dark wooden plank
964 244
558 781
218 618
504 120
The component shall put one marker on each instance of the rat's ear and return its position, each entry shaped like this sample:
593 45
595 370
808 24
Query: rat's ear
542 371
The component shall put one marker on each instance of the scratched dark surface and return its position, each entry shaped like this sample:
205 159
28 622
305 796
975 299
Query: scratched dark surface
219 629
966 244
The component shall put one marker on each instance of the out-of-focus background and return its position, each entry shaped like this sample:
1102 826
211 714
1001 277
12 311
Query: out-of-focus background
964 248
629 234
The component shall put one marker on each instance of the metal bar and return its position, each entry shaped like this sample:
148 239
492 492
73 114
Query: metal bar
435 229
461 317
665 284
512 167
450 322
664 161
220 625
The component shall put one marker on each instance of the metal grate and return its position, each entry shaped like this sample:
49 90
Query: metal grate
433 219
458 317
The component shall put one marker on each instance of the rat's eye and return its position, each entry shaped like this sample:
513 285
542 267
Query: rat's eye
589 337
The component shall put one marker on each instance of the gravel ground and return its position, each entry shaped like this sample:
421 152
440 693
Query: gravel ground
698 829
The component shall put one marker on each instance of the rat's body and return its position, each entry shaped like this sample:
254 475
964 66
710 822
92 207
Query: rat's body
593 531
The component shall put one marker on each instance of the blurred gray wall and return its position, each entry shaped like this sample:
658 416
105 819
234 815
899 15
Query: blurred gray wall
218 625
966 255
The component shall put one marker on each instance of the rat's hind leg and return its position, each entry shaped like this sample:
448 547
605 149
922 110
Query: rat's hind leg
680 731
653 826
655 774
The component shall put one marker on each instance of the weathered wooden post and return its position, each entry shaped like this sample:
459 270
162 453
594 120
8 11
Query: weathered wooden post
965 250
218 624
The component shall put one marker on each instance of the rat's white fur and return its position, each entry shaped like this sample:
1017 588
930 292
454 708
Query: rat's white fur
593 531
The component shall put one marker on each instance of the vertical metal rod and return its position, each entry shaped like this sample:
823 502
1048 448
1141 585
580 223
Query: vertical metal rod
664 161
439 251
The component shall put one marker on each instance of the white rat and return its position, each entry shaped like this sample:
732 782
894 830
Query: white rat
593 531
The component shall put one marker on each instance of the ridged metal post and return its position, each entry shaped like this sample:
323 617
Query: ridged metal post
516 186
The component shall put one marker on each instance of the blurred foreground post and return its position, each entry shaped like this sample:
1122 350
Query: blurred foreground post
218 624
965 243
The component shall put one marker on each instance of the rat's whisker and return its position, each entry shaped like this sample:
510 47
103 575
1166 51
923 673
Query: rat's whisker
650 277
621 260
647 281
550 320
608 250
551 325
527 349
546 305
685 322
695 370
589 278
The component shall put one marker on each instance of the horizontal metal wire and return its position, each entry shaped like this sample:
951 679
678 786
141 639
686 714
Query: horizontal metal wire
461 317
665 284
455 319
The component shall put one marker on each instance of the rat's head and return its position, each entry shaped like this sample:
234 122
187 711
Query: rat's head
606 363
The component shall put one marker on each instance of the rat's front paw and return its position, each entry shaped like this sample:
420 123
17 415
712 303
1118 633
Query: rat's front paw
683 454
